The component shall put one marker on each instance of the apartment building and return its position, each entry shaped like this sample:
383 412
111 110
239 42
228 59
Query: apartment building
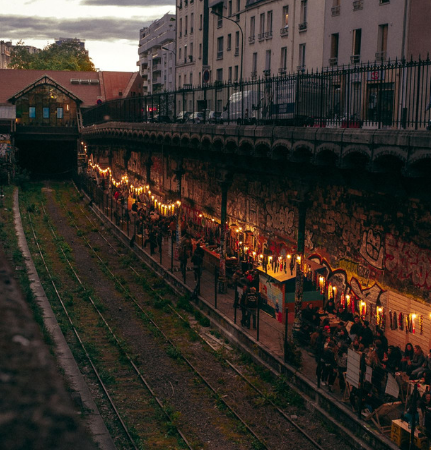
192 42
361 31
157 55
277 37
5 49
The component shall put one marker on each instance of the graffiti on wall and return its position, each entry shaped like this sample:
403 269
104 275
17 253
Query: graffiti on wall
339 279
354 267
407 260
372 248
280 218
344 225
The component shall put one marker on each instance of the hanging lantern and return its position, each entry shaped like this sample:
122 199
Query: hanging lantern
348 301
321 284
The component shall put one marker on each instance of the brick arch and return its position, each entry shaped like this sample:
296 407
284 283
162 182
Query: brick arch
246 147
160 137
195 140
262 148
206 141
176 139
302 151
153 136
185 139
396 152
231 144
167 138
218 143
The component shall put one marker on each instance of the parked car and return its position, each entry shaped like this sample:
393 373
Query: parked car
182 116
196 117
214 117
162 119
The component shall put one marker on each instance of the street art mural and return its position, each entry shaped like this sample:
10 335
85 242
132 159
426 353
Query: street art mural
408 261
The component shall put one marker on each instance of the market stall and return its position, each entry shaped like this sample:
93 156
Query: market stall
277 285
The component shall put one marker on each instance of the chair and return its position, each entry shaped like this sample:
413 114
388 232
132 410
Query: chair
379 413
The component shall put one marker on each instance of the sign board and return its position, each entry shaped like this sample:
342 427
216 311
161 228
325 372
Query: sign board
392 387
353 368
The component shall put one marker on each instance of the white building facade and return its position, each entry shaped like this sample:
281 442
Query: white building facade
157 55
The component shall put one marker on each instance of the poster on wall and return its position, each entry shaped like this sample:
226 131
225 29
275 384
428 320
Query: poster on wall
273 294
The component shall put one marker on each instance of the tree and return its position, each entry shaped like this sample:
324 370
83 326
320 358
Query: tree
67 56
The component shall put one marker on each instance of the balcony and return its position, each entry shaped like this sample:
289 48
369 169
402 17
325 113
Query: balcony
251 39
302 26
282 71
268 35
358 4
355 59
284 31
261 36
267 72
333 61
335 11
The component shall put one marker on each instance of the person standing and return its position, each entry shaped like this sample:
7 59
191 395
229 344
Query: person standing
251 303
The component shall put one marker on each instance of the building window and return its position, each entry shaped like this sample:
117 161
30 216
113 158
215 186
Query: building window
179 81
200 22
333 60
252 29
268 25
356 46
382 42
268 62
179 55
262 27
185 55
191 78
186 25
283 60
301 62
229 42
303 20
285 17
236 73
220 47
219 12
254 65
192 19
219 75
229 74
229 8
191 52
200 51
237 43
181 28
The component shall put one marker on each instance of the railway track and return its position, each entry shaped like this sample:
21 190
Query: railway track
229 396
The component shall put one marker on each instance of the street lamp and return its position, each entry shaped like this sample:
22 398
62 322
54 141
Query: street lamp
169 50
242 39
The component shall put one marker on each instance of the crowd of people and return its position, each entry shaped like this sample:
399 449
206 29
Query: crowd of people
330 342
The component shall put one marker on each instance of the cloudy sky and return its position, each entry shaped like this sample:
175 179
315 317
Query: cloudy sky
110 28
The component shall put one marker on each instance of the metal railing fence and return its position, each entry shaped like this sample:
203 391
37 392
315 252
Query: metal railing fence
392 95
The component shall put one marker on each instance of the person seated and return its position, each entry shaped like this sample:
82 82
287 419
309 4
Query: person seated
307 313
424 371
330 307
393 361
407 356
356 328
344 314
414 366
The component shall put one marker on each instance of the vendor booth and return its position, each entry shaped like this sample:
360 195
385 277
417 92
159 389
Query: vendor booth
277 282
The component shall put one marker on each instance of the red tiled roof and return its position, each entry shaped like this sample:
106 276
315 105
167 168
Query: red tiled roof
110 83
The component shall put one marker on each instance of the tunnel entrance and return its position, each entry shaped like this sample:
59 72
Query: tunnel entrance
47 159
